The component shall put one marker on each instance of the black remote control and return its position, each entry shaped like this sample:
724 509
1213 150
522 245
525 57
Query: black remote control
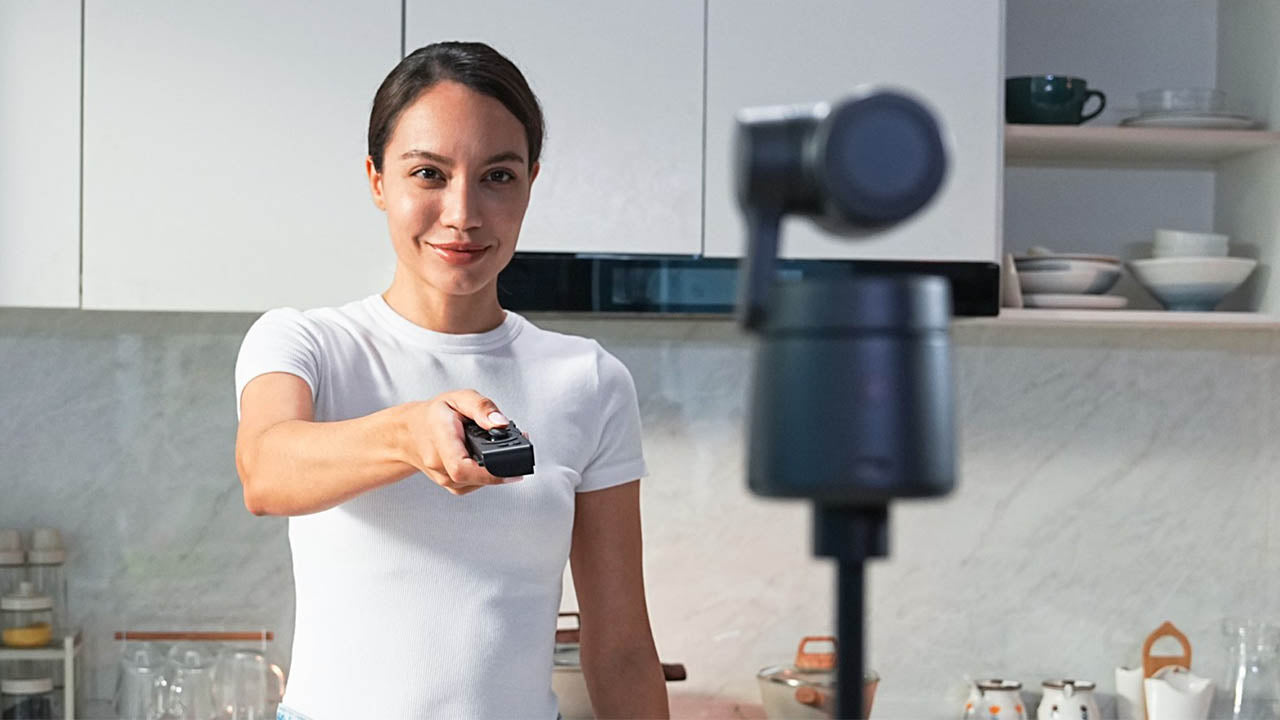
503 451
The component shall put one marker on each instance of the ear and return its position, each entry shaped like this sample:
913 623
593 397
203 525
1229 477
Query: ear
375 183
533 172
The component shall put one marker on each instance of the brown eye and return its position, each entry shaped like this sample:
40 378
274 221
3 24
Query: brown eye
502 176
428 173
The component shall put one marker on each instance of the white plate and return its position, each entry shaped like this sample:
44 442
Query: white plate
1209 121
1069 256
1063 263
1075 302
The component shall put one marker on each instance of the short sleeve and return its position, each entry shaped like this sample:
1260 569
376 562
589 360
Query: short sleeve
618 456
282 340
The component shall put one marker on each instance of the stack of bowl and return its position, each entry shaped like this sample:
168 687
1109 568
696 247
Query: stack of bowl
1068 280
1191 270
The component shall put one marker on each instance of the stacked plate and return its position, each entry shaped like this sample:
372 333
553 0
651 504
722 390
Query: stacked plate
1069 281
1187 108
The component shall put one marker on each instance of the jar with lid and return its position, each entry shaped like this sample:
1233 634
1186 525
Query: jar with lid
12 558
27 699
26 618
45 560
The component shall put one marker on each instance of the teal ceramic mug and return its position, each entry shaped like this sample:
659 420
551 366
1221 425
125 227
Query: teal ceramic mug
1049 100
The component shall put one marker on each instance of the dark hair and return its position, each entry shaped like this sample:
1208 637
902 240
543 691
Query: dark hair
473 64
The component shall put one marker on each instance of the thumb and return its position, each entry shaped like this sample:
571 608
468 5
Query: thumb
483 411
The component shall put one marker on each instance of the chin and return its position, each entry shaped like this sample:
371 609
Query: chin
454 282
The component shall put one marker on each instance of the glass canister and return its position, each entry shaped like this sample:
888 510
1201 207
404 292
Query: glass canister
1251 688
27 699
45 562
12 559
26 618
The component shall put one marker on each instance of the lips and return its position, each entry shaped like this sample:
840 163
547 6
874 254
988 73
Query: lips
458 253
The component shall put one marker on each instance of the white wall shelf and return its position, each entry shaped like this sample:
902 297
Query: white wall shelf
1084 146
1043 318
66 653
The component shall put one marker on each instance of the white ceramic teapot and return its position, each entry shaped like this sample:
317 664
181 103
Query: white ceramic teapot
1175 693
1068 700
995 700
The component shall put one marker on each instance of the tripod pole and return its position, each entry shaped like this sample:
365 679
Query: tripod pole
850 535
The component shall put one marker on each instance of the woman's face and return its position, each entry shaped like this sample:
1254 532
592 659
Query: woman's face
455 184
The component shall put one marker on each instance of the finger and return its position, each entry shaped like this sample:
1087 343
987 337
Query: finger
465 471
471 473
460 490
479 408
449 446
439 478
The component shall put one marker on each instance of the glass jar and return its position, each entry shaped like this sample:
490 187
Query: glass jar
12 559
45 560
28 699
26 618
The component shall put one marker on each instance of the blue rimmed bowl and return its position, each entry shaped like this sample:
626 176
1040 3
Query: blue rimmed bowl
1191 283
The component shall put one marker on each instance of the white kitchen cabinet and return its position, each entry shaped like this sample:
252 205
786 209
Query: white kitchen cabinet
224 148
621 86
40 153
762 52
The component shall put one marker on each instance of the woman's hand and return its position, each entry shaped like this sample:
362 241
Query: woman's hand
434 439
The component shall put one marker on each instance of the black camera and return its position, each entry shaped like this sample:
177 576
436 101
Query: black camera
852 400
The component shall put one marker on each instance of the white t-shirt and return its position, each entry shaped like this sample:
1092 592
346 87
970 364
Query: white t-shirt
413 602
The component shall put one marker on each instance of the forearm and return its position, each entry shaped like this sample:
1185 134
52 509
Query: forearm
298 467
625 684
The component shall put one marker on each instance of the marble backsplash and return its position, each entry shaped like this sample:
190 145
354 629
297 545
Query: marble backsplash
1110 480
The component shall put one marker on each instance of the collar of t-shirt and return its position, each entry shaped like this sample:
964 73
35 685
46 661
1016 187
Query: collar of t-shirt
407 330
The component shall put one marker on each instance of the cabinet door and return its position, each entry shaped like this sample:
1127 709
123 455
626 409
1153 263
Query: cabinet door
224 147
40 153
620 84
762 52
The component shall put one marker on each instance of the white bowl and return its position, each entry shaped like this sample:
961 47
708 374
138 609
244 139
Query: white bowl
1067 277
1180 243
1191 283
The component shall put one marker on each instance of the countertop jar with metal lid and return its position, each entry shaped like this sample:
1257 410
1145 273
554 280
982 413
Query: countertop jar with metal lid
26 618
27 699
12 561
45 560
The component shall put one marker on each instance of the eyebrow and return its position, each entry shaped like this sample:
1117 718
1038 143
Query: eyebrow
508 156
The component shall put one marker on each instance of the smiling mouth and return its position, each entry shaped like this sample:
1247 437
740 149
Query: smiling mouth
459 254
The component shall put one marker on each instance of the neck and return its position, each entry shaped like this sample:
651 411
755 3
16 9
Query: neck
432 309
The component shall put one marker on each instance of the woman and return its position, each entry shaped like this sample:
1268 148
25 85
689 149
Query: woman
425 586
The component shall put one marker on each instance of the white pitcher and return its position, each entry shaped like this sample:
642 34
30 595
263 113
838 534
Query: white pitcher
1130 701
1175 693
1068 700
995 700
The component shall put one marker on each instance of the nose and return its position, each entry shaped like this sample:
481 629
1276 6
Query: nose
461 209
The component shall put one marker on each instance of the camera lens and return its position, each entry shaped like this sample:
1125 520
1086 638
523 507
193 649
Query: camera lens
879 159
